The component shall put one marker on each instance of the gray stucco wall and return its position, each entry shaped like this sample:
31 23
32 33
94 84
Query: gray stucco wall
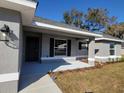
122 51
91 51
8 87
9 51
74 45
118 49
103 50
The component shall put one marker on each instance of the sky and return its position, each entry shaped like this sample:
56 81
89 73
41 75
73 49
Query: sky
54 9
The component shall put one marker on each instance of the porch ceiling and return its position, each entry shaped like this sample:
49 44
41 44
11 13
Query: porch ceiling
54 32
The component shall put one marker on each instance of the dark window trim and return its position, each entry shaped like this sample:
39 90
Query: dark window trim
112 48
55 47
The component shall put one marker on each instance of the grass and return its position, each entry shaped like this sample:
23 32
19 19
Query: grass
108 79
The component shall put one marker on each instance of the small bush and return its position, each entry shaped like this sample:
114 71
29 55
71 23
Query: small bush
121 59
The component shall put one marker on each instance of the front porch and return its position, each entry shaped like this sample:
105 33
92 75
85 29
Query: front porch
52 65
38 46
47 50
44 51
34 77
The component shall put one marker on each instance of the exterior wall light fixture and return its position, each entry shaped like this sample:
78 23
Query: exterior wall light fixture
5 33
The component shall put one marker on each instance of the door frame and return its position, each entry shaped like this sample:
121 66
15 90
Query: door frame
32 34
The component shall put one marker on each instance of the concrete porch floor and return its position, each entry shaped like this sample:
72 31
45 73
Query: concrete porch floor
34 77
52 65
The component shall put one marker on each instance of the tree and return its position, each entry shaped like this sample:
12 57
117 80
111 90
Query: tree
96 19
67 18
116 30
73 17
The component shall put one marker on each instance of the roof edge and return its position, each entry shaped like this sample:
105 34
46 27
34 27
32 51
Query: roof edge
109 39
64 29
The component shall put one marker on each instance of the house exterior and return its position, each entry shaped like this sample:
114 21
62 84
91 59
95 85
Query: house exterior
25 38
60 41
108 48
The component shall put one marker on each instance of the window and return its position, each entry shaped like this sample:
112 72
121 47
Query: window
112 49
60 47
83 45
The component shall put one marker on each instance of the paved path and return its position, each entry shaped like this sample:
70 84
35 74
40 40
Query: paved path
34 77
71 66
38 84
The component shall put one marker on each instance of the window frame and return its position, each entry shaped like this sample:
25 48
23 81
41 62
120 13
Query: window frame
61 48
112 49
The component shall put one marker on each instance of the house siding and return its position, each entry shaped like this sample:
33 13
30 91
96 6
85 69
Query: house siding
10 52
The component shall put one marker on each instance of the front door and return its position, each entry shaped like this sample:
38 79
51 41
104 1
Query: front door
32 49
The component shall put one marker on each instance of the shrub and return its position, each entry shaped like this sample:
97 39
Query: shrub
121 59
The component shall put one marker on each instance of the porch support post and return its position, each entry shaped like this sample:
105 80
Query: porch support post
91 51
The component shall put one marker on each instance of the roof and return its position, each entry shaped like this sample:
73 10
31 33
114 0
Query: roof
109 38
59 26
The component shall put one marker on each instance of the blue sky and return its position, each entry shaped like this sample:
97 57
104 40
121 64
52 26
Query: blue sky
54 9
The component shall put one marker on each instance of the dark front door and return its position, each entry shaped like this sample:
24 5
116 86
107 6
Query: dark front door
32 49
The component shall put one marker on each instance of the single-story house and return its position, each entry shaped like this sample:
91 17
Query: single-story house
26 38
108 48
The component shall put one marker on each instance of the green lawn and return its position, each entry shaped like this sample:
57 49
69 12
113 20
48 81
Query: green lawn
108 79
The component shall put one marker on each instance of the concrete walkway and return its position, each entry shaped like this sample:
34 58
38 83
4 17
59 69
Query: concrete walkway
72 65
34 77
38 84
